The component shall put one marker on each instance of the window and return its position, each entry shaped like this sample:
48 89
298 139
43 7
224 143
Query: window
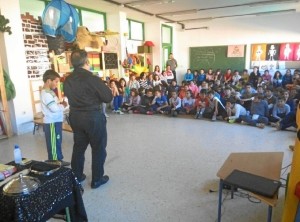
136 30
34 7
166 34
167 42
93 20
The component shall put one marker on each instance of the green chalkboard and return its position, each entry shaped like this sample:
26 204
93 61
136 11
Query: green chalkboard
215 57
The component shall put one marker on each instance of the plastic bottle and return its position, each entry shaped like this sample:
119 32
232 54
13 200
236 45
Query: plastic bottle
17 154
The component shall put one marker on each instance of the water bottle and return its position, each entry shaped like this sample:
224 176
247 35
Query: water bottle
17 154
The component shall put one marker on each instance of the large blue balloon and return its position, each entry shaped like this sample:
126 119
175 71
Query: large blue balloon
55 15
69 30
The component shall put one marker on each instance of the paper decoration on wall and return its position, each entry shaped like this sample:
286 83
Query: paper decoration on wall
296 56
273 51
286 51
258 52
265 65
235 51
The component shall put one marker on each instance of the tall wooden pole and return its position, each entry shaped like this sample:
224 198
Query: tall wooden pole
7 123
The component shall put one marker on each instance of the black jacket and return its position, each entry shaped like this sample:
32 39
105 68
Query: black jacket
86 92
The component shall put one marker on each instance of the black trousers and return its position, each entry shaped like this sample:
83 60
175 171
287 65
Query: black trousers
89 127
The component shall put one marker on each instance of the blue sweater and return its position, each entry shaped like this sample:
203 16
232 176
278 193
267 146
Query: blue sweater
260 108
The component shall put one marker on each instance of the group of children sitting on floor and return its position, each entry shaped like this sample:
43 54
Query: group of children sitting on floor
229 97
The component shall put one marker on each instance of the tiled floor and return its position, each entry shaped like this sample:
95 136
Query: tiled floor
163 168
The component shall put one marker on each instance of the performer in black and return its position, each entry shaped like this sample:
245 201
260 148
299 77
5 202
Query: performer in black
86 93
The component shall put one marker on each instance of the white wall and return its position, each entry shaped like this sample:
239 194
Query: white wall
13 59
251 30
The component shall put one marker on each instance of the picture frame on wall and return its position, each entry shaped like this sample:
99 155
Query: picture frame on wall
276 56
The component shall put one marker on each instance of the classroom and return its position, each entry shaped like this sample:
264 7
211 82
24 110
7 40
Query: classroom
163 168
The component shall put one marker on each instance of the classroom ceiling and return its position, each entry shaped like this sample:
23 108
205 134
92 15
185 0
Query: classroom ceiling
194 13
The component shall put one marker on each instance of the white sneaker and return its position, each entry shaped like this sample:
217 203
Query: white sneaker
106 115
119 112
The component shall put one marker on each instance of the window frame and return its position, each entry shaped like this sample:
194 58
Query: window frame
80 9
129 30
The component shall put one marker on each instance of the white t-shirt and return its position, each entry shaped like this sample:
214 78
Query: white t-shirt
52 110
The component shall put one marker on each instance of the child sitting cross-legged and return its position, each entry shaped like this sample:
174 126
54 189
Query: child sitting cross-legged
188 103
280 110
134 101
175 104
159 102
146 102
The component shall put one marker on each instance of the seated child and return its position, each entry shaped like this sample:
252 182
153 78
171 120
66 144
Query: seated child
183 89
201 103
234 111
159 103
280 110
175 104
146 102
134 101
259 113
271 99
188 103
172 87
215 107
194 89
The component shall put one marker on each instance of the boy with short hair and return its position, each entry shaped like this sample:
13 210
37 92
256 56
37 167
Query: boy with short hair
234 110
188 103
201 103
160 102
146 101
259 113
53 116
175 104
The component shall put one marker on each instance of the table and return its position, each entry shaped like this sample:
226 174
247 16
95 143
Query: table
57 192
265 164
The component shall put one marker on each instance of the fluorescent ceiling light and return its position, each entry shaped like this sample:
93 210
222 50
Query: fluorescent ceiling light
204 27
149 2
185 12
272 3
197 19
275 12
237 15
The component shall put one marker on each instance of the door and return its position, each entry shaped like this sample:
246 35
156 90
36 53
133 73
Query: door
167 49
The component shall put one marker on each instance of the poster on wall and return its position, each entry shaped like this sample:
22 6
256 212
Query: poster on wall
273 51
235 51
258 52
287 51
284 55
296 56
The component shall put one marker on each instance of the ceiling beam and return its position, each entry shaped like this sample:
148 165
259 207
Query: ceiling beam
253 4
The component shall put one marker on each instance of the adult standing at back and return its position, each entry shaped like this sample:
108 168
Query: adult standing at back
173 64
86 93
